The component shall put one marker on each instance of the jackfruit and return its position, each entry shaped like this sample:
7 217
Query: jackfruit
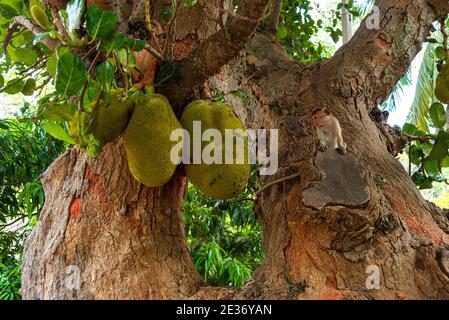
107 120
110 119
218 181
147 141
442 84
39 16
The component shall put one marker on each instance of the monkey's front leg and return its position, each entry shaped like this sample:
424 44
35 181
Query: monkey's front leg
323 145
341 145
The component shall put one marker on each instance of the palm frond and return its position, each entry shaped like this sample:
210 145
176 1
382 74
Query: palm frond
395 96
424 93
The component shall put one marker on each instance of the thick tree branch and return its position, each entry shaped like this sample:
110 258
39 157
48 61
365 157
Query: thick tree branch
273 21
26 22
381 54
215 52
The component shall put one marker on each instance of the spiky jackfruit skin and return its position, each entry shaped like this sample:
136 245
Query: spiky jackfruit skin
147 141
218 181
110 119
442 84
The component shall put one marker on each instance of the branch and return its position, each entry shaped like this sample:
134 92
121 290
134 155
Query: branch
273 20
215 52
29 24
374 60
442 5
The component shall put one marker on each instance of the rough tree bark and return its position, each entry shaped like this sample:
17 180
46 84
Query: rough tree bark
321 230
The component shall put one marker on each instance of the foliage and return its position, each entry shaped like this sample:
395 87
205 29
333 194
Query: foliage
429 140
224 237
299 27
25 152
32 66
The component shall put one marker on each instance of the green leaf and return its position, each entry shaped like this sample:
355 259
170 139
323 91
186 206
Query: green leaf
58 132
439 53
7 12
100 23
134 44
24 55
2 81
71 74
416 155
57 112
75 10
431 167
112 42
410 129
52 64
104 74
14 86
282 31
440 147
29 87
166 14
438 115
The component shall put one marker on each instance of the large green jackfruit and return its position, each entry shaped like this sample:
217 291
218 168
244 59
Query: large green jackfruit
110 119
218 181
442 84
147 141
107 120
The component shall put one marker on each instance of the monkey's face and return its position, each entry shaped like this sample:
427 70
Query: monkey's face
319 118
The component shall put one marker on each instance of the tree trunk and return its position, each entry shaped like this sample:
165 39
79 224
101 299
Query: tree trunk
326 233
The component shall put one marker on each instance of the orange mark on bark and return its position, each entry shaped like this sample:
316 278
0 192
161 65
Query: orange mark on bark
382 44
420 223
330 291
75 208
400 296
96 184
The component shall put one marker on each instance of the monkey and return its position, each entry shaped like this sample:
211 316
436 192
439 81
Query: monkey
329 131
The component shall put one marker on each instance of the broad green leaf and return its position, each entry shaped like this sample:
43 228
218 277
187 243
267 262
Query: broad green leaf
99 23
282 31
52 64
57 112
416 155
24 55
93 91
438 115
75 10
445 162
431 167
439 53
104 74
134 44
440 147
14 86
29 87
71 74
2 81
410 129
58 132
112 42
7 12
